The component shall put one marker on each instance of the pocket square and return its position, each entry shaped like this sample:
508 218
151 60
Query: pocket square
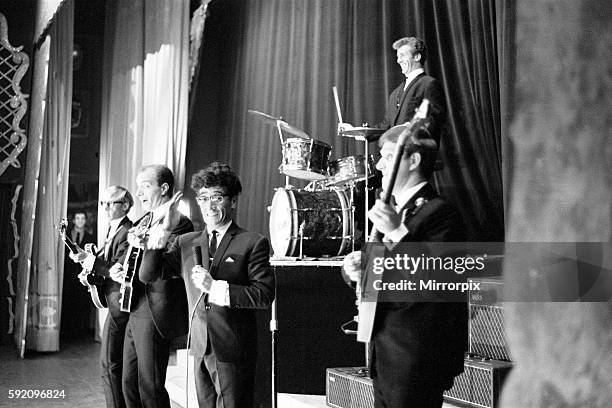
229 259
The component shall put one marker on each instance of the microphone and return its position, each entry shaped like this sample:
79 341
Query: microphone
197 255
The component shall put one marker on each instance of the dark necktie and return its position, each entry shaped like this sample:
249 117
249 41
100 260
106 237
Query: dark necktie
78 238
212 246
107 243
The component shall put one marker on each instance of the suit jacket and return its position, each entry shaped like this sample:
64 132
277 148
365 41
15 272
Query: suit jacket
116 253
423 86
241 259
425 338
166 297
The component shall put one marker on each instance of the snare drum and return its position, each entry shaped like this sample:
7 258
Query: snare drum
322 219
305 159
351 168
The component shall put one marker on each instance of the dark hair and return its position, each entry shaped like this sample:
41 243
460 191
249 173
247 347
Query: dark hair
417 45
420 141
79 211
217 175
163 175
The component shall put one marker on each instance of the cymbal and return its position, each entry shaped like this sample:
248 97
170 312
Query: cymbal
369 133
272 121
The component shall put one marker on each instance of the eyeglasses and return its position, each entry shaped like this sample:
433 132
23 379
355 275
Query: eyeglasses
109 203
215 199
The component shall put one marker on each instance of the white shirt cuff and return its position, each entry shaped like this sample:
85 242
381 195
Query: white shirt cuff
219 293
397 234
88 262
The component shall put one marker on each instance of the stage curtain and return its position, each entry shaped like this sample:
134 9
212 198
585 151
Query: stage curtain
145 91
144 95
41 260
282 57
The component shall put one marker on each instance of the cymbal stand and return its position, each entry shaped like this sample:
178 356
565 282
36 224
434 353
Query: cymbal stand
279 121
366 192
352 207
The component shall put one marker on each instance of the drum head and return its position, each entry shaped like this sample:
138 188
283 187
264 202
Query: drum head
281 222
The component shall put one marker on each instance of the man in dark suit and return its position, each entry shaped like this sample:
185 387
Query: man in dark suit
76 303
158 311
234 278
116 202
417 347
407 97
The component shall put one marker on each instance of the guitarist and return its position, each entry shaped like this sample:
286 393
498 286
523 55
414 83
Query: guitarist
158 310
416 348
116 203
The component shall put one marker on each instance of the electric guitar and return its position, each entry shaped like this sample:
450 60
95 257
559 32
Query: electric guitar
133 260
94 284
366 310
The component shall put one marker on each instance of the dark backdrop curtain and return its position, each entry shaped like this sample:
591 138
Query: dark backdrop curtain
282 57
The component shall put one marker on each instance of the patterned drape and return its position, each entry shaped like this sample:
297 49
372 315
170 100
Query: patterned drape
46 188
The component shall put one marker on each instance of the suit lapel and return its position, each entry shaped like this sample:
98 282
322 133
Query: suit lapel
222 247
406 92
426 192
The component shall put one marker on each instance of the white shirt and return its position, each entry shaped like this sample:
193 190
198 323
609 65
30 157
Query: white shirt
88 262
402 199
411 75
220 232
219 289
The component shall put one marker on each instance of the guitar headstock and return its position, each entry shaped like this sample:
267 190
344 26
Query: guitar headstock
421 113
63 226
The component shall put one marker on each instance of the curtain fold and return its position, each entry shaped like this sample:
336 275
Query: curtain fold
282 57
145 91
41 261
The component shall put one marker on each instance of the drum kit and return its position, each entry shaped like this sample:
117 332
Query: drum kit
317 220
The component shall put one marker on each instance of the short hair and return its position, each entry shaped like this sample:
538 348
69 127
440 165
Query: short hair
79 211
217 175
163 175
417 44
122 194
420 141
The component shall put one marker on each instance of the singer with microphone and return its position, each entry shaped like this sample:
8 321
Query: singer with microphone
227 275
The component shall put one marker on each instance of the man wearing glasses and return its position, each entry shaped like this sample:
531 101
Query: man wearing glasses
116 203
224 287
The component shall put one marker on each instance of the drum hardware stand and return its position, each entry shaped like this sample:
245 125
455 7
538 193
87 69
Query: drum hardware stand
366 193
352 187
302 225
273 330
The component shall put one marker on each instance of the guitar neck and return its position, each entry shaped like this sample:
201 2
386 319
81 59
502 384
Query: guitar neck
70 244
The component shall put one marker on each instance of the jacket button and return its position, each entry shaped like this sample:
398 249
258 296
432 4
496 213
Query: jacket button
207 307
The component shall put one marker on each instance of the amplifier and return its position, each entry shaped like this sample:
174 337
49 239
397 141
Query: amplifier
480 383
486 327
349 387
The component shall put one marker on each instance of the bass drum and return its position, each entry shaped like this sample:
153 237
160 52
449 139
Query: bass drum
321 218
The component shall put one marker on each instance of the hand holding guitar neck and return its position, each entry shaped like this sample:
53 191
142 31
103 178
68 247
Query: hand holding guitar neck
421 113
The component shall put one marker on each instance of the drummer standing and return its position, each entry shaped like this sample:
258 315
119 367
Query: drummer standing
407 97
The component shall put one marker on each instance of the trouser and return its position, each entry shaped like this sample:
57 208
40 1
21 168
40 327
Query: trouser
145 360
111 360
224 384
